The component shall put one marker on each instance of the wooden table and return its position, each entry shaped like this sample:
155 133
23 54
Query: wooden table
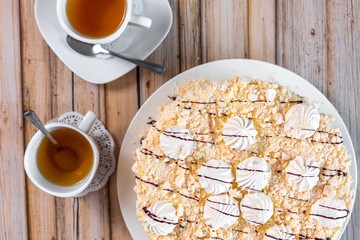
318 39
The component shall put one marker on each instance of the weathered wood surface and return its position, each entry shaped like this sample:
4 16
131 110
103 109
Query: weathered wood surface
318 39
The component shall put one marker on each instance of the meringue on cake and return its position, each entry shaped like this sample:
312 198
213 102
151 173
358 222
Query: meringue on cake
241 159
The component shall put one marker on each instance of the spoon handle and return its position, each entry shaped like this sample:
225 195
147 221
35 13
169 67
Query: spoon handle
152 67
34 119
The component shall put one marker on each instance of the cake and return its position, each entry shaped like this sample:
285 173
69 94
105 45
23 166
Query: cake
241 159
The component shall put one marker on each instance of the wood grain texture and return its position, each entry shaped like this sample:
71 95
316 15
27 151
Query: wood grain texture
190 34
121 106
343 71
262 30
93 209
61 102
301 39
224 29
37 96
12 179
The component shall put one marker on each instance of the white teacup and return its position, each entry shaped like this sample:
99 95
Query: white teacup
129 18
31 164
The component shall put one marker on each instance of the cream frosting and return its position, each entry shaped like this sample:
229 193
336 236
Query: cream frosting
221 211
329 212
253 174
215 177
301 121
239 133
302 173
256 208
279 232
176 142
161 218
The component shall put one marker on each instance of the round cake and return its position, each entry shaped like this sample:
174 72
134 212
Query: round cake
241 159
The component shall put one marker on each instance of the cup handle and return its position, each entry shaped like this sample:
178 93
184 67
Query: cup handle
140 21
87 122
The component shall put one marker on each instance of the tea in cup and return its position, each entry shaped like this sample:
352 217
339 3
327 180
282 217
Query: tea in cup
66 169
97 21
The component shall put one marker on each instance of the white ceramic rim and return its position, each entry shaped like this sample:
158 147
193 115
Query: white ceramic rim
65 24
31 156
214 71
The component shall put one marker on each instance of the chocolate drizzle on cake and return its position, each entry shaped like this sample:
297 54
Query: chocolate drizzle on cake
229 135
297 199
293 101
337 173
257 209
208 133
336 209
151 183
328 217
221 203
215 167
299 175
227 214
174 98
215 179
302 237
196 102
186 139
157 218
251 170
186 196
147 152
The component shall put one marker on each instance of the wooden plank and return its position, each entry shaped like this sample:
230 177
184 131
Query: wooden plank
167 54
301 39
224 29
121 107
12 179
189 34
37 96
343 71
262 30
61 102
93 209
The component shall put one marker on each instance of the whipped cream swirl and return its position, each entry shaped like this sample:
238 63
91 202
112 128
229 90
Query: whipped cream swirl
215 177
239 133
301 121
161 218
329 212
253 174
221 211
302 173
256 208
279 232
176 142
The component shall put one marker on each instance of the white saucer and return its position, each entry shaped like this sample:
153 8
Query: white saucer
96 70
214 71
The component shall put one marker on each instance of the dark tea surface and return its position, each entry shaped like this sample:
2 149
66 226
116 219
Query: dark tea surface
69 164
96 18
